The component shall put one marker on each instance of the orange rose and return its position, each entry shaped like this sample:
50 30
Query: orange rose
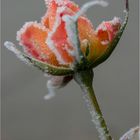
33 36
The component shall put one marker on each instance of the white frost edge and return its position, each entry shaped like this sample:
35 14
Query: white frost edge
50 42
27 25
10 46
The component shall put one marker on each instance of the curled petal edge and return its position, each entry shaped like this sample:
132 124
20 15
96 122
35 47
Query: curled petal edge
47 68
115 41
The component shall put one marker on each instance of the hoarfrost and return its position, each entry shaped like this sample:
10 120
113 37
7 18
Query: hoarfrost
10 46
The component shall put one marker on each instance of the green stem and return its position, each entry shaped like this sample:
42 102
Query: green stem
84 79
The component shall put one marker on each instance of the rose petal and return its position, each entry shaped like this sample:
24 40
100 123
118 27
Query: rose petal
87 33
58 38
32 36
49 19
107 30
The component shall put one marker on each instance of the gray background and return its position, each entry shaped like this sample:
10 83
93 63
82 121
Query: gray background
26 116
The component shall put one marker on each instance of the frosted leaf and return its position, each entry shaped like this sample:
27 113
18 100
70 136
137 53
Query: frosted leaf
10 46
132 134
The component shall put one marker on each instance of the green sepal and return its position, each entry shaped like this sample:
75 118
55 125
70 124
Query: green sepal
50 69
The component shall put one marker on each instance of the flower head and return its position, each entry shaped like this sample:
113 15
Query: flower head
48 41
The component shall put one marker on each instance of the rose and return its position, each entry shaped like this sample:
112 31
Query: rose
57 49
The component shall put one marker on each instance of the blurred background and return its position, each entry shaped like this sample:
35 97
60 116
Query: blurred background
27 116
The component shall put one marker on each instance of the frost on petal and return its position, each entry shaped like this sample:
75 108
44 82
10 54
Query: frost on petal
32 37
107 30
49 19
57 39
56 82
